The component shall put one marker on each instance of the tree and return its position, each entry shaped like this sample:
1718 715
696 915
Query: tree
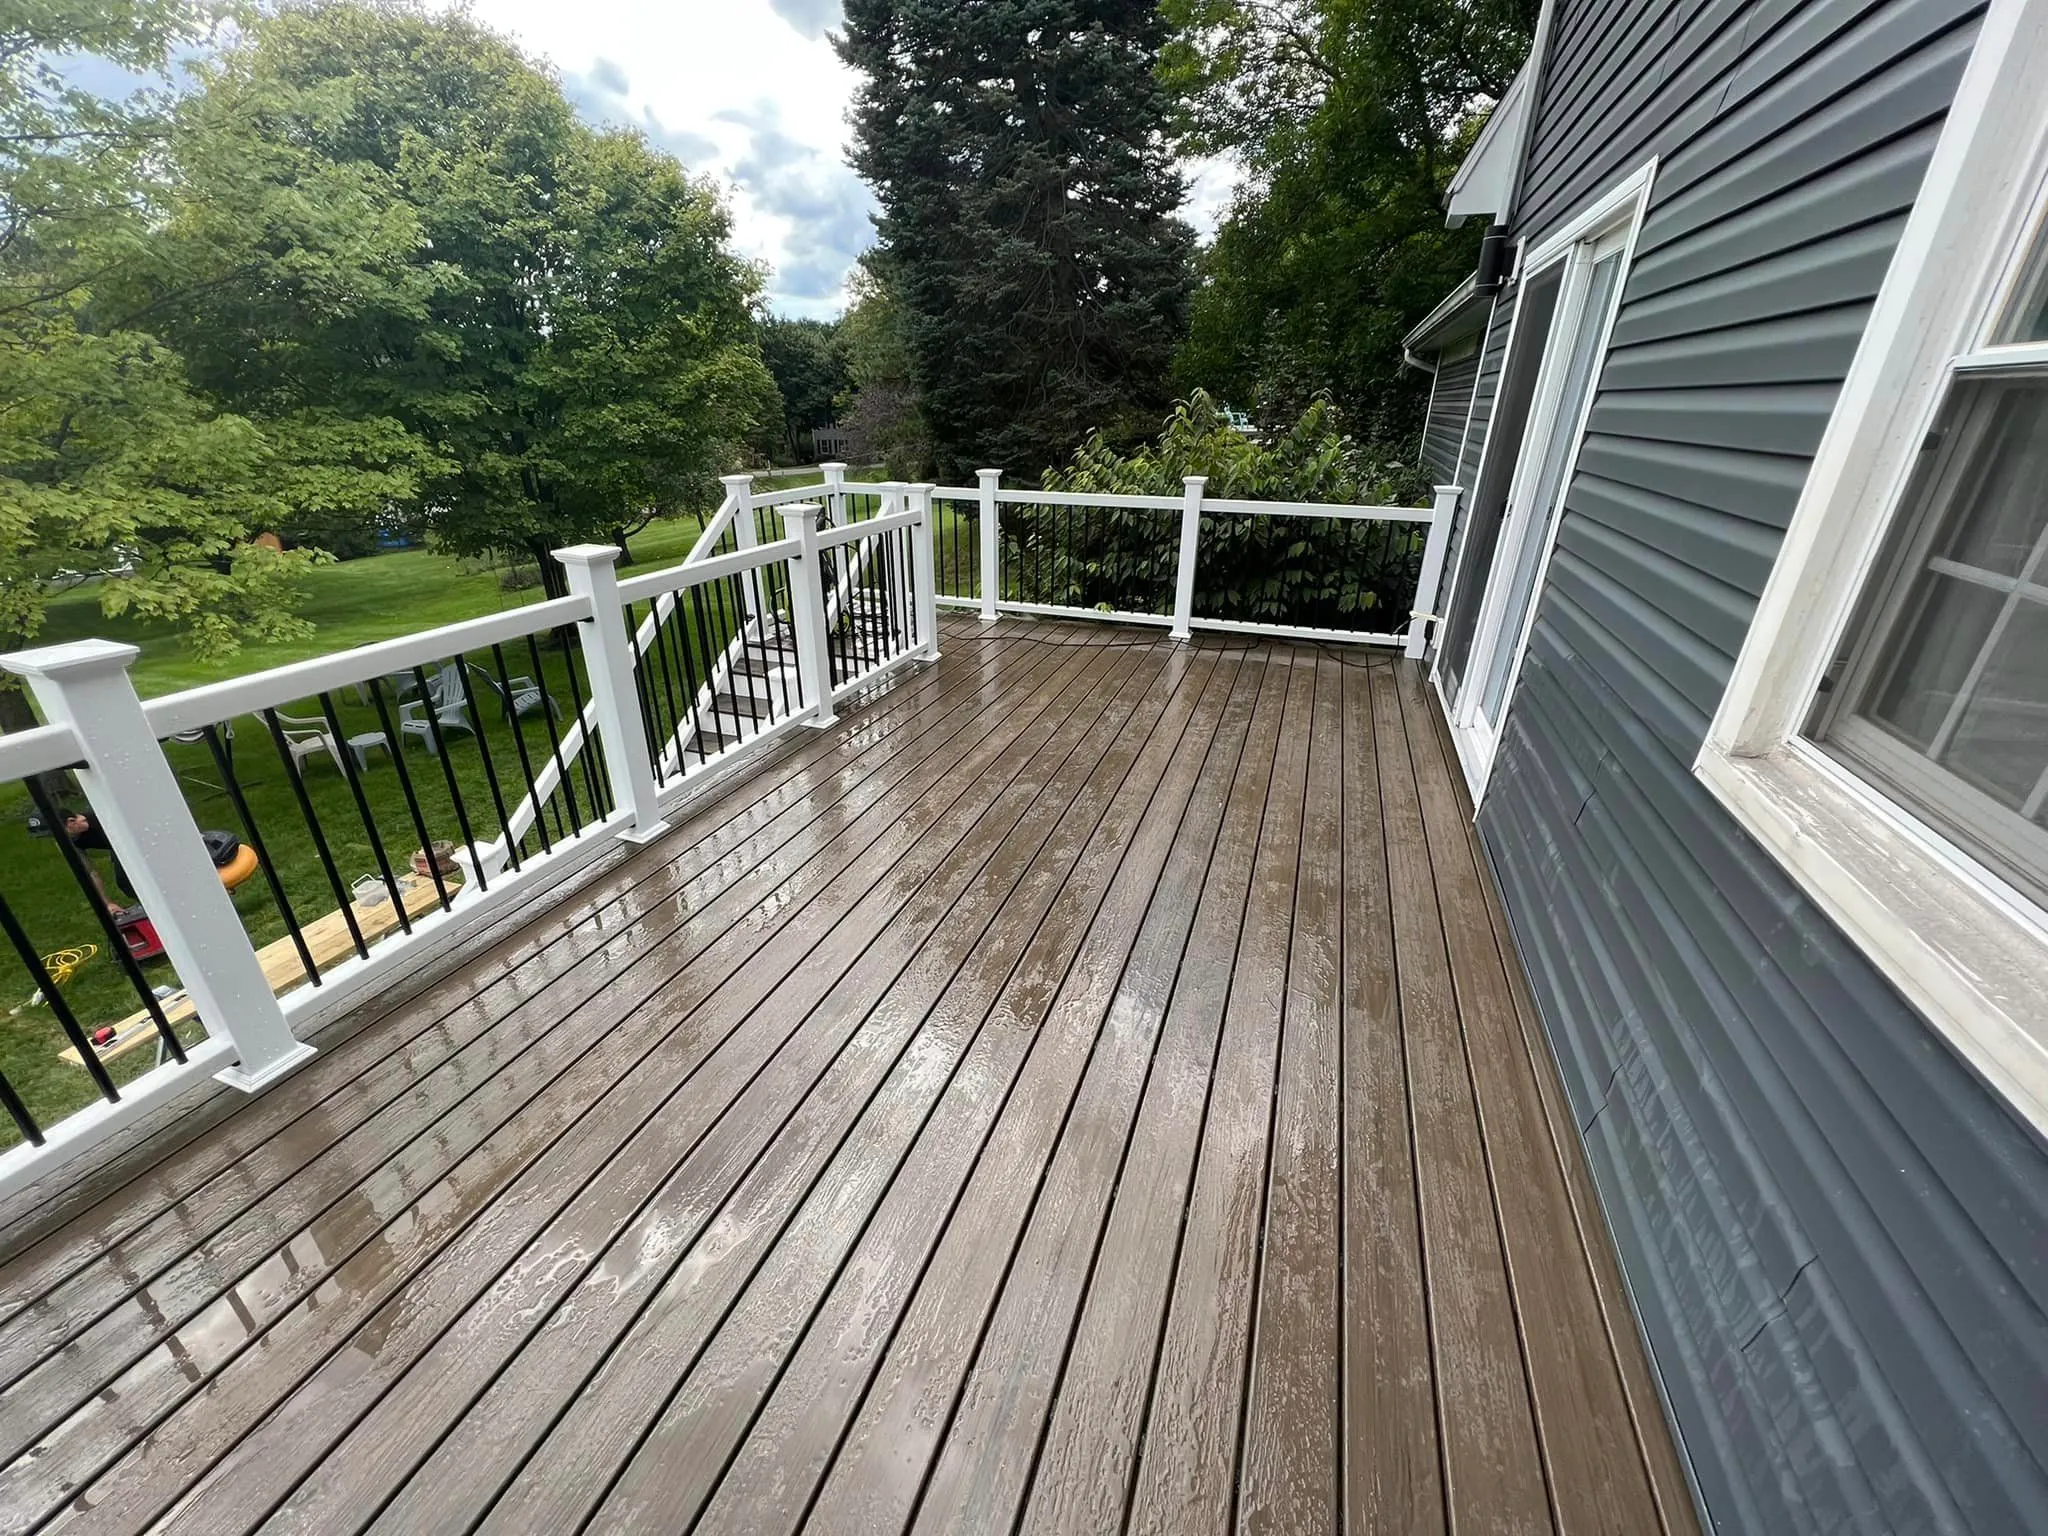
112 465
568 337
880 408
1275 568
810 371
1018 151
1350 117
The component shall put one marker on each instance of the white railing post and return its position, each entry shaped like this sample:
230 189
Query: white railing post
149 828
807 612
991 578
1431 577
924 571
593 575
835 494
739 491
1190 544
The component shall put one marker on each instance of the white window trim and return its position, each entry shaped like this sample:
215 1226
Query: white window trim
1966 948
1621 208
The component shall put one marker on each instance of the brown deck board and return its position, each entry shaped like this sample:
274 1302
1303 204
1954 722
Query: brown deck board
1087 1089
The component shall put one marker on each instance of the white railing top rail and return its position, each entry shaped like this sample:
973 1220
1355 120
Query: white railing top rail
1250 507
830 538
696 572
213 702
43 749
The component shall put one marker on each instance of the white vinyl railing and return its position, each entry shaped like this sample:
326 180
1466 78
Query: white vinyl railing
1138 559
647 686
634 691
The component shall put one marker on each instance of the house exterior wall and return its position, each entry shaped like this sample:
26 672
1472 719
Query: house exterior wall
1835 1235
1450 401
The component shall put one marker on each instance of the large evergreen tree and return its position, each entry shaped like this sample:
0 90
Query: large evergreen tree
1019 153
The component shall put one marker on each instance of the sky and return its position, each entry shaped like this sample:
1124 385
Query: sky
751 93
748 92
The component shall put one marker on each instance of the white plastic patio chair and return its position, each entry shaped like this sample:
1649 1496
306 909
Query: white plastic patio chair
307 736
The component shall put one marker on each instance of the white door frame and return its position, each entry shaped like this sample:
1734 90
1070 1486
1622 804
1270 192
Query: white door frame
1611 223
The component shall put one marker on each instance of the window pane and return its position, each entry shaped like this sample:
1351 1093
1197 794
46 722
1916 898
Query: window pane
1935 655
2001 742
2029 322
1950 658
2007 494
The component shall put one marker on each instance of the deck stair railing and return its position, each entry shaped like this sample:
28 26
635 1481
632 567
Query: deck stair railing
387 802
1359 574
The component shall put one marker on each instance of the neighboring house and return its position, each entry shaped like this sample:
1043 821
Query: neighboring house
1745 653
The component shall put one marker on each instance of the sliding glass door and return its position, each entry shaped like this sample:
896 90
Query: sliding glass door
1588 278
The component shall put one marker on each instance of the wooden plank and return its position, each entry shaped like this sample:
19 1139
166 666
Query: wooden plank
1187 1471
1288 1477
559 1487
873 1482
327 939
1393 1480
1493 1477
680 1461
1090 1448
677 1466
591 1423
1041 1024
548 1166
990 1446
1599 1479
283 1273
355 1050
576 948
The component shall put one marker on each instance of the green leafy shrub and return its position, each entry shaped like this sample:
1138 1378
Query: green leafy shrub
1326 572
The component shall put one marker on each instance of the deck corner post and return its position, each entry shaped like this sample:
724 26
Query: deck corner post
1430 579
592 572
807 612
924 570
1190 545
149 828
835 493
991 578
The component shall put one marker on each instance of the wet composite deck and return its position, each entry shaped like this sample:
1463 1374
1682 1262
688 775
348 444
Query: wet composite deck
1082 1091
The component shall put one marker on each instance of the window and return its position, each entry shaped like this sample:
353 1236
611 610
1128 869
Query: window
1884 734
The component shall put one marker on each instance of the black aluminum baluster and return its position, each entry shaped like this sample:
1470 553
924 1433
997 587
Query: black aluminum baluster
643 689
17 1111
708 654
697 686
565 785
412 806
59 1009
39 792
483 746
318 833
225 765
440 740
540 820
664 642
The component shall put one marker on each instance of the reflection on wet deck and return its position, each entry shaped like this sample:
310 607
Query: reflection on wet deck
1082 1091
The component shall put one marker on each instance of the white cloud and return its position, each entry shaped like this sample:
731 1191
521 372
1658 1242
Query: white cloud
747 91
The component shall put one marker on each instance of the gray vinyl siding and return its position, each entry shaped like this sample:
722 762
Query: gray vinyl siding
1450 401
1493 351
1835 1235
